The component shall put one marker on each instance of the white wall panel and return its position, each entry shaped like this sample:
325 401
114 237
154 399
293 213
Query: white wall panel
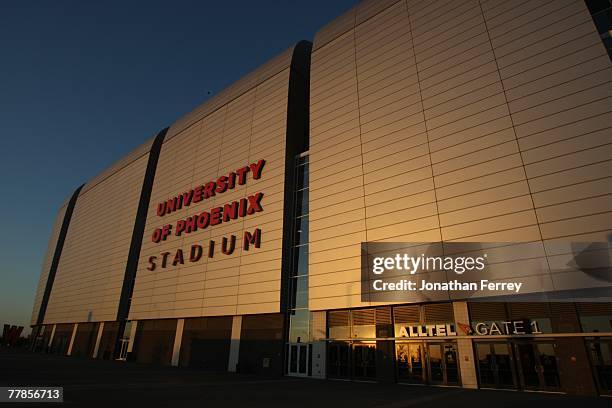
456 121
244 130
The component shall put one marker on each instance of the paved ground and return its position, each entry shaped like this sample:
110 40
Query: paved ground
114 384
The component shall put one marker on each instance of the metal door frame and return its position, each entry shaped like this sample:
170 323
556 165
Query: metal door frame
424 363
513 365
361 344
425 344
540 372
299 348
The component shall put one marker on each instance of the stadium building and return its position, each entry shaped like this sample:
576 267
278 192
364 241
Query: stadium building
231 240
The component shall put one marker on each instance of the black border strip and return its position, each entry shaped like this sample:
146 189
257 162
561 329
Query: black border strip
139 226
59 246
296 142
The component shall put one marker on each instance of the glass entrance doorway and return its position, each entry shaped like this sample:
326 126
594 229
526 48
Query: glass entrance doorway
427 363
338 362
600 353
410 363
355 361
495 367
364 361
298 361
538 368
443 365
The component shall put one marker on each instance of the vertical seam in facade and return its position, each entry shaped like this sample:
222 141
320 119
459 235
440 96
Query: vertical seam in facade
247 191
518 146
193 171
359 122
225 112
416 68
355 8
224 109
365 212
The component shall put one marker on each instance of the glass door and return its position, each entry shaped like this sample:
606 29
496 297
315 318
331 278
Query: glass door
504 365
364 361
539 369
125 341
549 367
410 363
600 353
123 350
298 360
436 368
443 364
451 364
529 371
494 365
338 360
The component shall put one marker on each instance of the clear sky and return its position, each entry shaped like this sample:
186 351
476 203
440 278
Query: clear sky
82 83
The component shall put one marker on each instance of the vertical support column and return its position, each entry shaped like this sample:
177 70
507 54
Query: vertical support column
318 329
132 336
51 338
178 338
74 330
98 338
235 344
465 348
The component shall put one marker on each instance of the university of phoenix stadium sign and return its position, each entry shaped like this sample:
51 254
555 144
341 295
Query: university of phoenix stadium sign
217 215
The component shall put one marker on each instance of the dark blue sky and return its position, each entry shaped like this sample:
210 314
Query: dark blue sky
82 83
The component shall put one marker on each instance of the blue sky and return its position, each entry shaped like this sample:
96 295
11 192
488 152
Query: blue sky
83 83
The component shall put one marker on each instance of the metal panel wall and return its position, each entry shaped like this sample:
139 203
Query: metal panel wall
90 272
212 141
456 121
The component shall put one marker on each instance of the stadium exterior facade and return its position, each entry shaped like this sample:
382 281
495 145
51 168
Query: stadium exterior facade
231 240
